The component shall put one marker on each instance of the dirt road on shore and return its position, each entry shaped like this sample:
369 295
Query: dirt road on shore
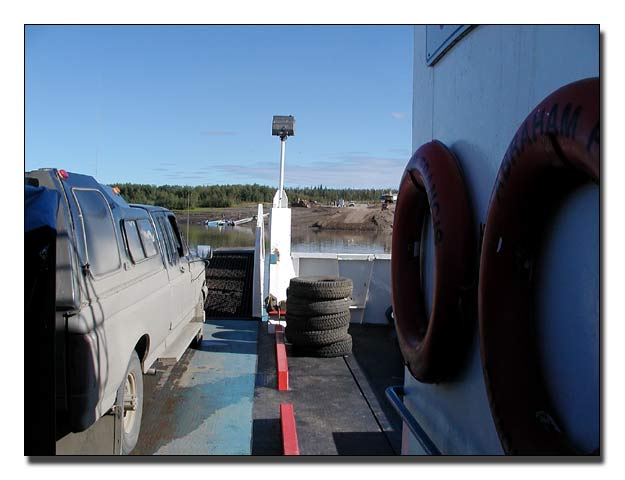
360 217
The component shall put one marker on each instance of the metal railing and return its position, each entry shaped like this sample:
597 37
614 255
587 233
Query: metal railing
393 394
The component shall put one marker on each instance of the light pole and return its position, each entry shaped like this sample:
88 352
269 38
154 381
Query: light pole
280 264
282 126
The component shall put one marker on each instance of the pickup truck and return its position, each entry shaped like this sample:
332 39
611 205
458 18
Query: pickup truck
127 292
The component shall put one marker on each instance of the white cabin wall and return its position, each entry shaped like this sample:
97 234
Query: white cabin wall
473 100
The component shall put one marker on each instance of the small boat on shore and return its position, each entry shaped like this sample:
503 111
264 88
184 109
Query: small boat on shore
229 222
219 223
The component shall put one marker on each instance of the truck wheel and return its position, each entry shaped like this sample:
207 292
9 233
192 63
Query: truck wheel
197 340
199 316
200 309
132 394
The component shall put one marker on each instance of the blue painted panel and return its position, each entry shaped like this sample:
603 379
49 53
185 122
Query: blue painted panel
41 206
213 411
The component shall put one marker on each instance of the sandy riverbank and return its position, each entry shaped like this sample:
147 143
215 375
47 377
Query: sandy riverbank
360 217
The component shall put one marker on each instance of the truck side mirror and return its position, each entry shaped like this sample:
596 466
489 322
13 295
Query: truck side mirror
205 252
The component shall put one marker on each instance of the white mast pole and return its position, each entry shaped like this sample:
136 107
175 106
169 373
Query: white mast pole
188 213
280 262
281 187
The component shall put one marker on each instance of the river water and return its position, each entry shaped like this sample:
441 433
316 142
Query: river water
302 239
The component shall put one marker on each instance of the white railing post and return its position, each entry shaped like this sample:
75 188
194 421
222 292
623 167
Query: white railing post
258 310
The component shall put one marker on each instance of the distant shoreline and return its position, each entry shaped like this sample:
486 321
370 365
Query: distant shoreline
361 217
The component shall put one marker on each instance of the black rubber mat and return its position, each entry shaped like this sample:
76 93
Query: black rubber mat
229 280
339 403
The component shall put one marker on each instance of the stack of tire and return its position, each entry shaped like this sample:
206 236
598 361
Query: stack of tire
317 316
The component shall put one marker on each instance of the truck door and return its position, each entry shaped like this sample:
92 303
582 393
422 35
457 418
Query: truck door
186 293
176 268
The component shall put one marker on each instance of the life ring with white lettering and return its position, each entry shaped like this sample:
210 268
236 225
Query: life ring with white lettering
555 148
433 347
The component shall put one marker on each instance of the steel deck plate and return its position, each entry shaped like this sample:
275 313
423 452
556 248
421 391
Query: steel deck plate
203 404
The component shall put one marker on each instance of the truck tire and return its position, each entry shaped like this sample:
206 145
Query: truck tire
321 288
319 322
200 317
315 337
196 343
200 309
132 395
337 349
313 308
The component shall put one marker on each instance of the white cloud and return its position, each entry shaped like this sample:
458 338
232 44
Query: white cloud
346 170
398 115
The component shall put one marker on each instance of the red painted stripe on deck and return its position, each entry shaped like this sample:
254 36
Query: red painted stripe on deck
283 367
290 445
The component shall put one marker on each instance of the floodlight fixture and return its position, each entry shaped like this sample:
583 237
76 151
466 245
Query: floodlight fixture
283 126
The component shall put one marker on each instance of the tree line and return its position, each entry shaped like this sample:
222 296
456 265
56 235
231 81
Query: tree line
178 197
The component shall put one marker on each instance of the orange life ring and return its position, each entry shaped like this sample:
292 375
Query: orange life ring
433 347
555 147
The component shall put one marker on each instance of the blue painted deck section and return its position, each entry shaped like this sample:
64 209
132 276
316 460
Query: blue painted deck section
212 400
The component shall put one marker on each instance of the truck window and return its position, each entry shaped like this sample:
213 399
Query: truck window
176 235
99 231
148 237
133 241
167 234
161 239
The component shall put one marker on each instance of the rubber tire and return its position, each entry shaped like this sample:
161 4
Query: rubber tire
315 337
196 343
320 322
321 287
338 349
129 440
313 308
200 313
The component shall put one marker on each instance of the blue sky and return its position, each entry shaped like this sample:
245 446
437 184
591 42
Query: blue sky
192 105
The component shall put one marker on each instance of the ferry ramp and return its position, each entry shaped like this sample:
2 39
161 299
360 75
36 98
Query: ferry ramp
229 278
